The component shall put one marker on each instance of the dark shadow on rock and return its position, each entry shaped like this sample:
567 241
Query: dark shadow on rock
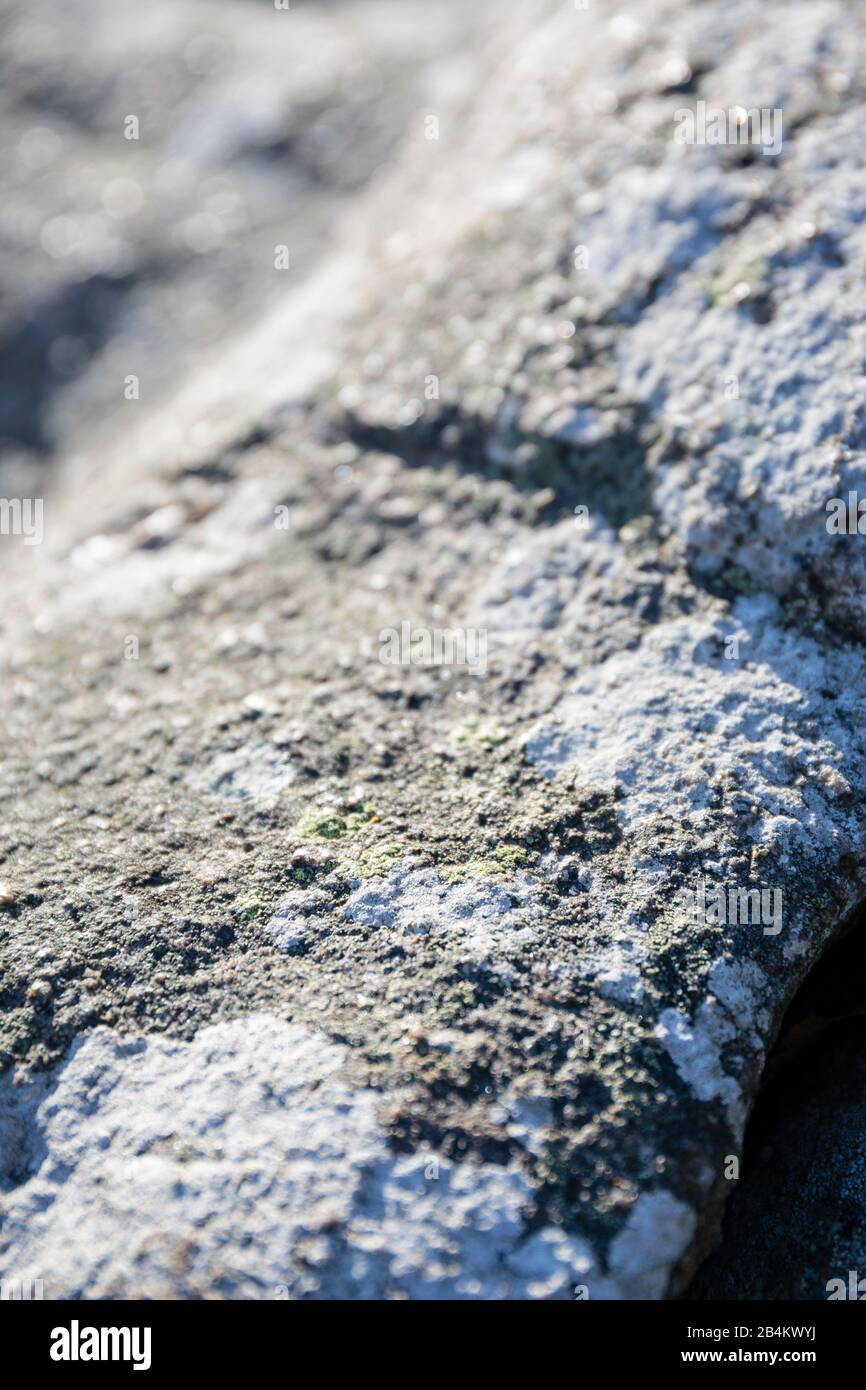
609 477
796 1219
84 314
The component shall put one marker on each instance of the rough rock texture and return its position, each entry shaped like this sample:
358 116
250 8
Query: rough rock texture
247 1140
344 977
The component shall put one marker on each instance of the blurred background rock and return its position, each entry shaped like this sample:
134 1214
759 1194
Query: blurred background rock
256 128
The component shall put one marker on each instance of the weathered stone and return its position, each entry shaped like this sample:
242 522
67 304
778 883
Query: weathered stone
371 980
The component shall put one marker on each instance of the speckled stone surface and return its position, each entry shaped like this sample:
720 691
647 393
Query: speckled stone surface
321 976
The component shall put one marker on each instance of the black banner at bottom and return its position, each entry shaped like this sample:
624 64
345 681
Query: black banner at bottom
82 1339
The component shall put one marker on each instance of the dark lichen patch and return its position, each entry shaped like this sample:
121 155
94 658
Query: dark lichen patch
301 876
566 822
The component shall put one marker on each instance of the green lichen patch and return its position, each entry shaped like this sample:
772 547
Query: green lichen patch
480 735
739 281
250 907
505 859
334 825
375 861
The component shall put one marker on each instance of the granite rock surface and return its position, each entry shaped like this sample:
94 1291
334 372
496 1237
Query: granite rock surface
323 976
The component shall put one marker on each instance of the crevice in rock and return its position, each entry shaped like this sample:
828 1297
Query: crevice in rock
796 1218
22 1144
